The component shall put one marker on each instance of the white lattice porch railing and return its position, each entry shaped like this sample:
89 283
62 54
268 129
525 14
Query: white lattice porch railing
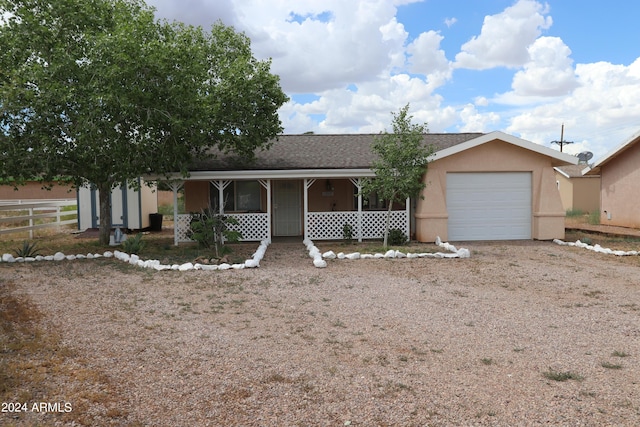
329 225
253 226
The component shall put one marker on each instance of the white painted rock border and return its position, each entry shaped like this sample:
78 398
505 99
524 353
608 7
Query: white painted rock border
596 248
134 259
319 260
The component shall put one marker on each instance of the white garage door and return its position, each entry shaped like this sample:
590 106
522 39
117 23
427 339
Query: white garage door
489 206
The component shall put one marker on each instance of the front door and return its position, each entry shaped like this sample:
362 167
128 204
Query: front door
287 208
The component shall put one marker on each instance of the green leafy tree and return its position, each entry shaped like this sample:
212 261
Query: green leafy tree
401 164
100 92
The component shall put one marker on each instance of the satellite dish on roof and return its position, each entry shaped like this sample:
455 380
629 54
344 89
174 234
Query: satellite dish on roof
585 156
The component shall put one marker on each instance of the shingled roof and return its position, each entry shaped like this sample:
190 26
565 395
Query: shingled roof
321 151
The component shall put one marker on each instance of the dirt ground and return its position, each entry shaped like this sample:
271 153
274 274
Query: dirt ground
521 333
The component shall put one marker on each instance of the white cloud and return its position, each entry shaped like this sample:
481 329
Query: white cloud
602 111
450 21
427 57
504 37
195 12
549 71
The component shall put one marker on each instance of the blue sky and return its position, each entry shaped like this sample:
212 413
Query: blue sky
524 67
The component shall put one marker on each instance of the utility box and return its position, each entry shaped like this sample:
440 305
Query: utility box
130 208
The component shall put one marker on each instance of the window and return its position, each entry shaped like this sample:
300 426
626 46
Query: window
238 196
372 203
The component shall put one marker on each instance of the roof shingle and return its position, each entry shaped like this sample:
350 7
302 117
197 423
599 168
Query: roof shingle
321 151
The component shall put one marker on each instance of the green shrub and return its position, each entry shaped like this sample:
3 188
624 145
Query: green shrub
133 245
347 232
211 230
397 237
574 213
27 250
594 218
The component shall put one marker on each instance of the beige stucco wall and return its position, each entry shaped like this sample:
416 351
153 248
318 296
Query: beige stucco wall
495 156
620 189
579 193
565 187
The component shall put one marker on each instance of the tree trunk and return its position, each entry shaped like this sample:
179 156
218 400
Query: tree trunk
387 220
104 191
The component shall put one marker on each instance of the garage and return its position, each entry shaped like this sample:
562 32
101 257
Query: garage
489 206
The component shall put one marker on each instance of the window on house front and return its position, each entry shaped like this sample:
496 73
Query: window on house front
239 196
373 202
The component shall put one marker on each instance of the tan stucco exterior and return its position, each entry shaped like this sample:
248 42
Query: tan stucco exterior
579 193
494 156
620 187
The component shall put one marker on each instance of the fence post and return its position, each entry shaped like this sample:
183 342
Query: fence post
31 223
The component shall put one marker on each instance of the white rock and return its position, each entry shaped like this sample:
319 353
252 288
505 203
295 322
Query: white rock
186 267
107 254
390 254
400 254
464 253
319 263
175 267
48 258
19 259
329 255
378 255
412 255
237 266
133 259
58 256
97 256
8 258
224 266
209 267
161 267
366 256
251 263
341 255
29 259
39 258
354 255
71 257
438 241
81 256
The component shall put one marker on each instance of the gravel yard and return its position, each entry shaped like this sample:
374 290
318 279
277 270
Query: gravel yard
399 342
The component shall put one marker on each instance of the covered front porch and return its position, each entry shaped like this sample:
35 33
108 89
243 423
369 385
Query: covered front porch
316 207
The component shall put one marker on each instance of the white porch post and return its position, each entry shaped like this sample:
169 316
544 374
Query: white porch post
220 184
175 187
267 185
358 183
408 217
307 184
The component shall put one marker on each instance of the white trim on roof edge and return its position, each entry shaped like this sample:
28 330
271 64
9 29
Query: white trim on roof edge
483 139
614 153
274 174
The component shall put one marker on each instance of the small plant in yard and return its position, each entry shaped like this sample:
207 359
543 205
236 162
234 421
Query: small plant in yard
133 245
610 365
211 230
347 233
487 361
587 240
574 213
27 250
562 376
620 354
397 237
594 218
